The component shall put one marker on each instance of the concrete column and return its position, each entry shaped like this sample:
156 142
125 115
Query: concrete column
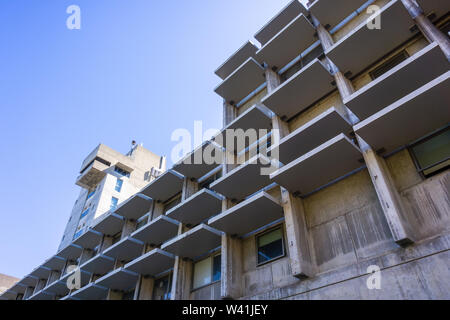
105 243
388 195
190 187
182 279
272 79
40 285
86 254
144 290
428 29
297 235
114 295
229 113
231 268
54 275
128 228
28 293
157 210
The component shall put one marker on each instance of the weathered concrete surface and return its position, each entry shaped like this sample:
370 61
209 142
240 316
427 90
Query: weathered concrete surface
231 268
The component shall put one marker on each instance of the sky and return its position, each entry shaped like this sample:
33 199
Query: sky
136 70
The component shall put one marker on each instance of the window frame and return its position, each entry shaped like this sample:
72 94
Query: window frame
118 188
211 256
283 246
111 204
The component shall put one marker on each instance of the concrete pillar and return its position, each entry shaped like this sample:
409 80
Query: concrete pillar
86 254
157 210
182 279
190 187
231 268
114 295
128 228
428 29
229 113
272 79
388 195
54 275
144 289
105 243
28 293
40 285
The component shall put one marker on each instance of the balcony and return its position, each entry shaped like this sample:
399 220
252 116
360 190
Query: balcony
135 207
288 44
303 89
197 208
152 263
277 23
125 250
89 240
110 225
119 280
319 167
42 295
331 12
57 288
18 288
195 165
257 117
410 118
243 81
165 186
248 50
28 281
71 252
312 134
157 231
362 46
244 180
92 175
195 242
438 7
55 263
41 272
8 295
90 292
99 264
411 74
247 216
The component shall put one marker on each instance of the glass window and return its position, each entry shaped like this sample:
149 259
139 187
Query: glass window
85 213
207 271
78 234
172 203
119 184
162 288
122 172
91 194
389 64
433 154
114 202
270 246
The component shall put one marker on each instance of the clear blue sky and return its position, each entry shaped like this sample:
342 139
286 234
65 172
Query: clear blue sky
138 69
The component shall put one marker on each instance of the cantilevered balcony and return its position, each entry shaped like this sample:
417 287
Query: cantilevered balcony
363 46
89 240
438 7
157 231
41 272
410 118
135 207
281 20
244 180
288 44
8 295
257 117
119 280
248 50
331 12
99 264
319 167
202 160
110 225
152 263
92 175
125 250
57 287
195 242
165 186
28 281
303 89
55 263
42 295
312 134
243 81
249 215
71 252
411 74
92 291
19 288
197 208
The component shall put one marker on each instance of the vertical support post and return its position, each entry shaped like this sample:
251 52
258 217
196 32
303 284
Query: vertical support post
231 268
229 113
86 254
144 289
114 295
128 228
182 279
28 293
388 195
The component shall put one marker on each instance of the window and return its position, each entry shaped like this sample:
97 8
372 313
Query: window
207 271
85 213
142 221
129 295
116 238
119 184
91 194
122 172
78 234
206 183
114 202
388 65
162 288
270 246
432 155
172 203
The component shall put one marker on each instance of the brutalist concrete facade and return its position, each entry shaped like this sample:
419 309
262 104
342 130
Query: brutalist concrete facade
358 114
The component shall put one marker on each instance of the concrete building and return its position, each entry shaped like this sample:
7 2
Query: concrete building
359 117
6 282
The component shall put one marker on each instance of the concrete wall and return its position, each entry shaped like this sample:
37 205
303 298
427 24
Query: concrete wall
6 282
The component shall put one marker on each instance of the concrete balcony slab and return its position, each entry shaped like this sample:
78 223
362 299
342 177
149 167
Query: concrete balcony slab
152 263
331 12
165 186
248 50
135 207
157 231
125 250
119 280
